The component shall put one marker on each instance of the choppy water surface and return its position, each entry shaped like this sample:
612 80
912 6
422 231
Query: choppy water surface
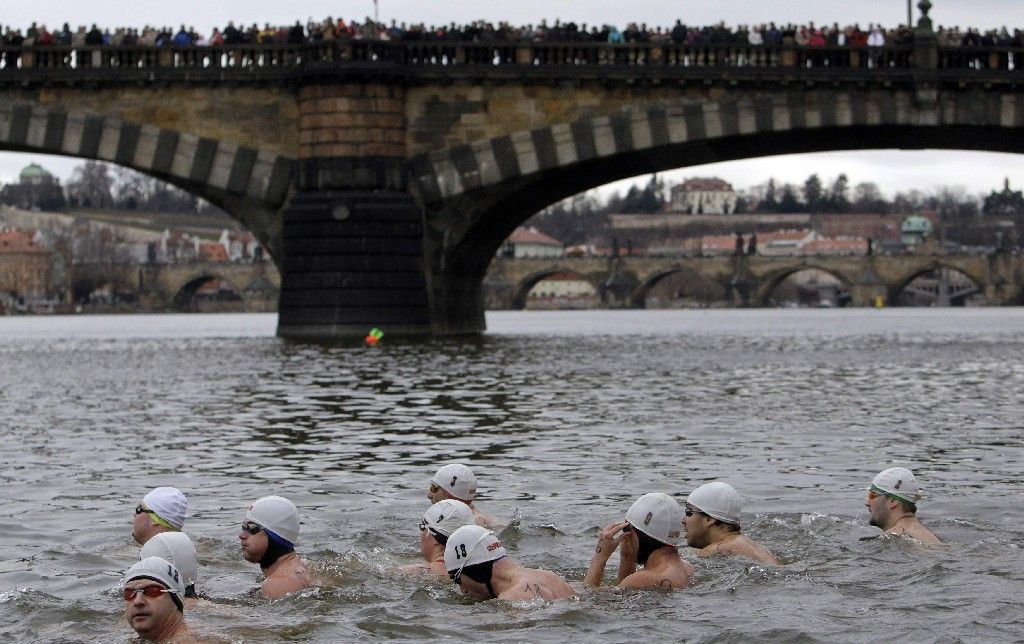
566 416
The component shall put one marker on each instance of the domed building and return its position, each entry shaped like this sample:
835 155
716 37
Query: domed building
914 230
35 175
37 189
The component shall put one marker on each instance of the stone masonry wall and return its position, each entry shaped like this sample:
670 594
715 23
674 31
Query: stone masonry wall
264 117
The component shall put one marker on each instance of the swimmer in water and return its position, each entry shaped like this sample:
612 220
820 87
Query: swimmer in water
162 510
268 537
154 601
457 481
648 536
439 522
477 563
177 548
892 503
713 525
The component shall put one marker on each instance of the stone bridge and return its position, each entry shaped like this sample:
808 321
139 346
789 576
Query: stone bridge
626 281
171 287
383 176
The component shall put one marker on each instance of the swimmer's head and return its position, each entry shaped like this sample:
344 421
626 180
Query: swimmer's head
162 510
161 571
278 516
897 483
445 517
717 500
658 516
453 481
178 549
470 555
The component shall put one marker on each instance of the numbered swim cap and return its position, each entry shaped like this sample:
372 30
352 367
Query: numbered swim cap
899 483
471 545
447 516
162 572
658 516
718 500
456 479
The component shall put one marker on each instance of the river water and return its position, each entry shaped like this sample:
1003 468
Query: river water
566 416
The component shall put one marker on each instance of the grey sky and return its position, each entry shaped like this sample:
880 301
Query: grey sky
923 170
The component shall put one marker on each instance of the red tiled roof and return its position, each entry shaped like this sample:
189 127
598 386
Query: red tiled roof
783 235
523 235
18 242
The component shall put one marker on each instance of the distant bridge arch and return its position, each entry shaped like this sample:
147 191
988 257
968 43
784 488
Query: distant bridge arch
769 282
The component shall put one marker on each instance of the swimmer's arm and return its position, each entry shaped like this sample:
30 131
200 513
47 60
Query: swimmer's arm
627 556
607 542
524 592
485 520
644 579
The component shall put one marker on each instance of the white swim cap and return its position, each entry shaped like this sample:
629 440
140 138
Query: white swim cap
456 479
445 517
658 516
898 482
471 545
169 504
277 514
177 548
159 570
718 500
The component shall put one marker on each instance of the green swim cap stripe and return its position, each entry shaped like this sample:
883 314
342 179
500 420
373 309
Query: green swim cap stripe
160 520
875 488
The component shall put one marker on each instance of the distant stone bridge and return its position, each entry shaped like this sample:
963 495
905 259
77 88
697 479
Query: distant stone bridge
627 281
171 287
383 176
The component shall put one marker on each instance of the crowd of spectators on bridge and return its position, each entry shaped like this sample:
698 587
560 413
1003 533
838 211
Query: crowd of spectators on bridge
743 44
330 29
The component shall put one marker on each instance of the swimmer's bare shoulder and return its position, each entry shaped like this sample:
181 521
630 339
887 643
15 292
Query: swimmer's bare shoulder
288 580
673 578
918 533
741 546
538 584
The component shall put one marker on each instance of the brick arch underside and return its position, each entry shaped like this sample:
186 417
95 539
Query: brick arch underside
249 184
482 218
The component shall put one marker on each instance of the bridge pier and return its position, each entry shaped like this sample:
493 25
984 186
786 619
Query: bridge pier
353 260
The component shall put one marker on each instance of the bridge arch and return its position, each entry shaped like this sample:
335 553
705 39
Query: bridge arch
523 288
770 282
250 184
475 195
185 290
643 290
979 281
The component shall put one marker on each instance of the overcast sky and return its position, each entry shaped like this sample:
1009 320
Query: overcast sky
922 170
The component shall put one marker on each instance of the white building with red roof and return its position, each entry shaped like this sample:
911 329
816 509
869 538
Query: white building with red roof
530 242
703 196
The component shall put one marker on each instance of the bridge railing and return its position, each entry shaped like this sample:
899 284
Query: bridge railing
982 58
448 54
